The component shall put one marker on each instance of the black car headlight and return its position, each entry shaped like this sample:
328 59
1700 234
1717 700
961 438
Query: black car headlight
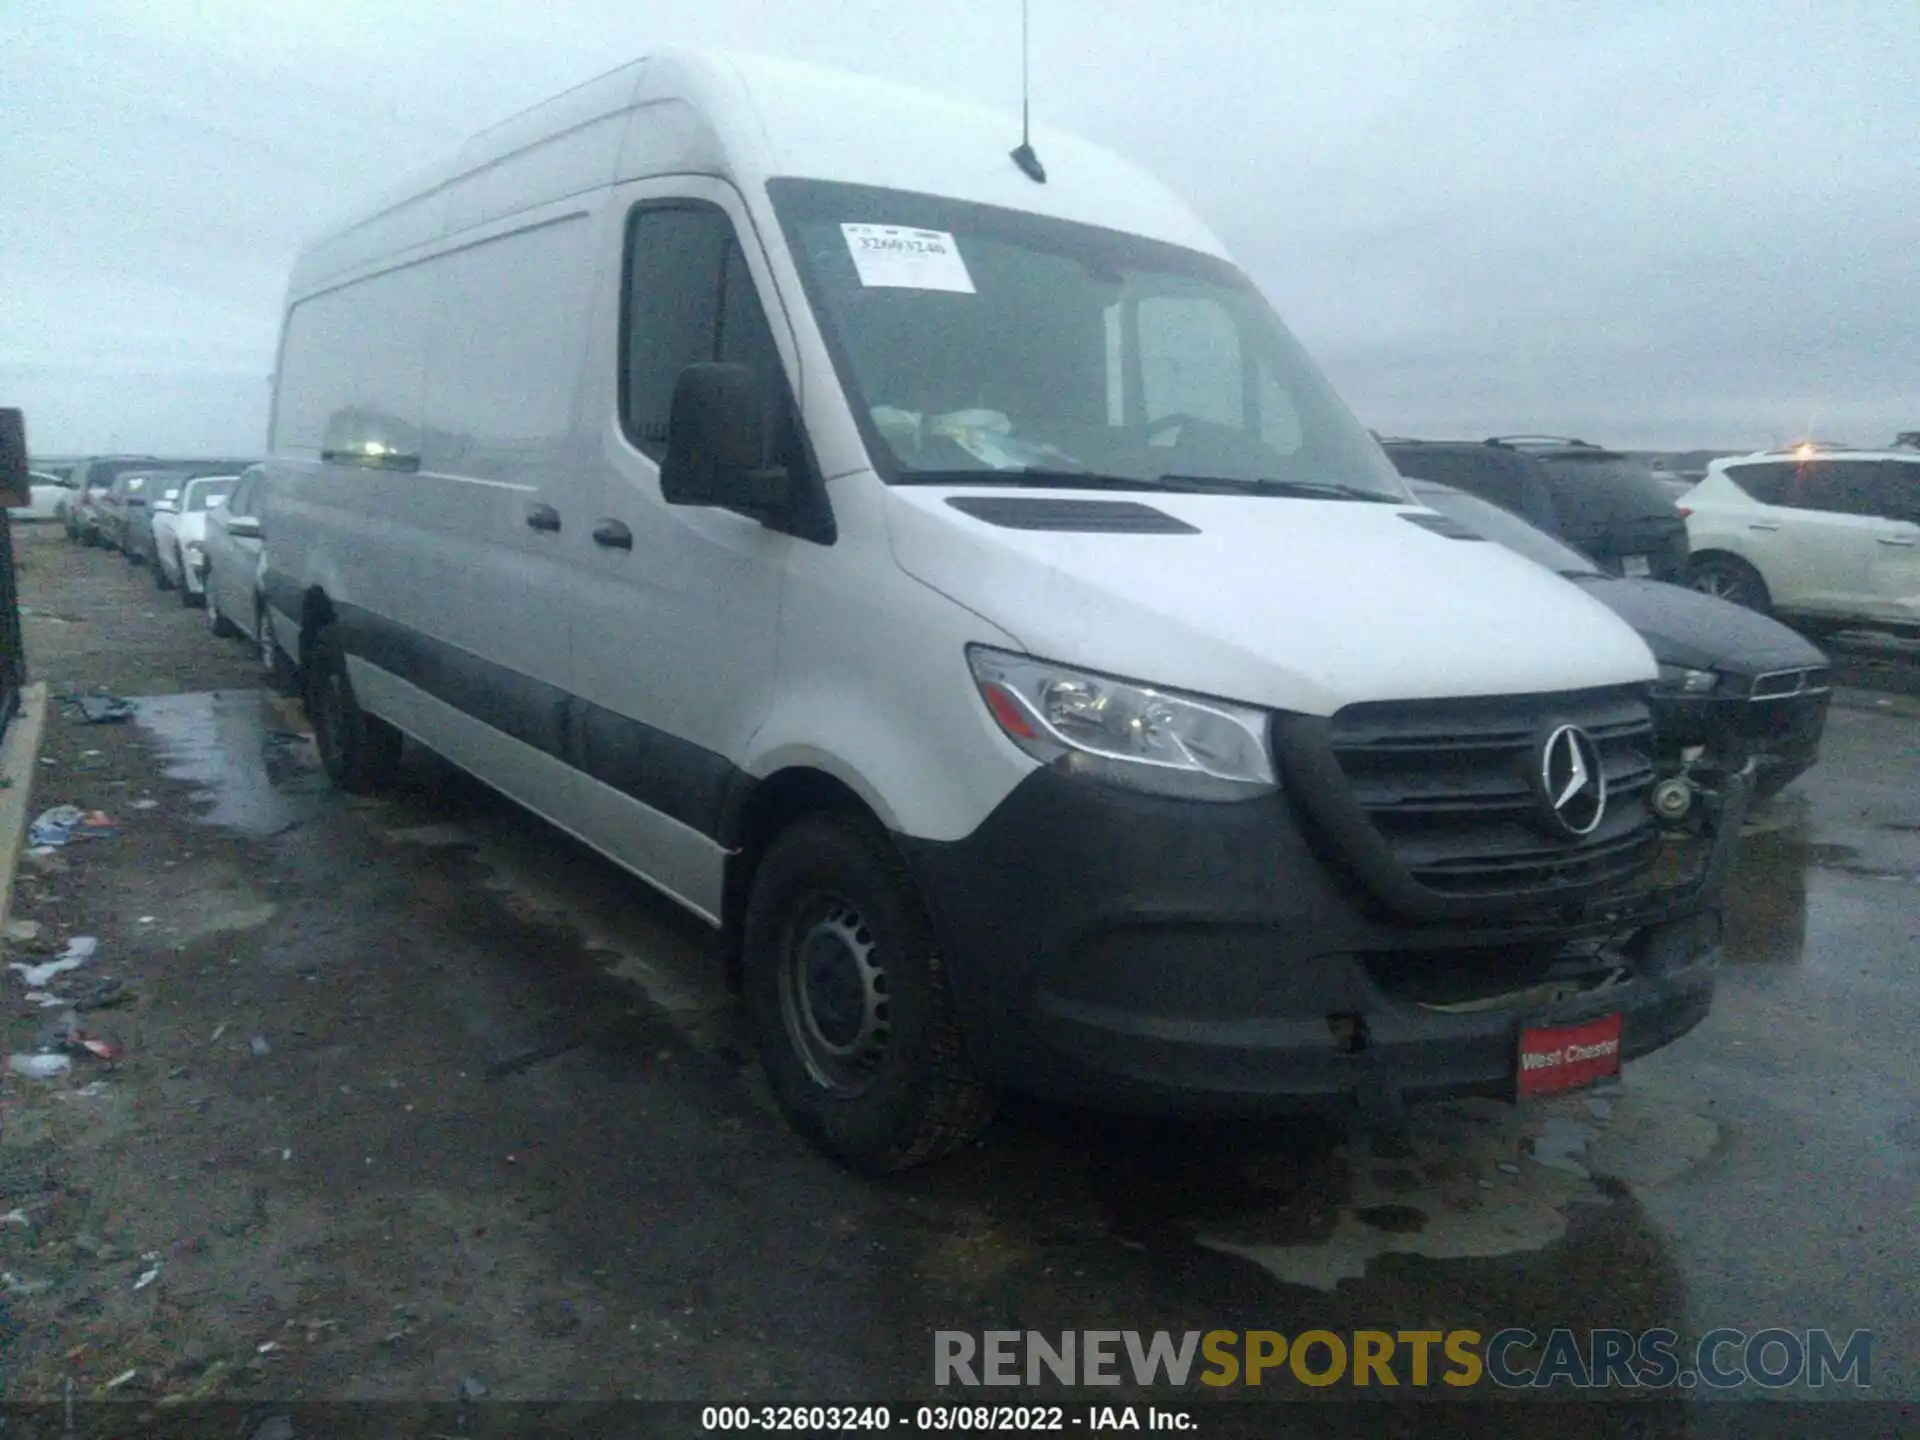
1681 680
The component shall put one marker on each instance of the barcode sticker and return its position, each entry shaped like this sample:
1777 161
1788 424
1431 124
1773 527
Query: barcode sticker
901 258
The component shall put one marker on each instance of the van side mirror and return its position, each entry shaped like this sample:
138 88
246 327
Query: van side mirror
244 527
16 489
716 436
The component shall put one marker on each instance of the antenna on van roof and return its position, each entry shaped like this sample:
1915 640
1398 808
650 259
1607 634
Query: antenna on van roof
1024 157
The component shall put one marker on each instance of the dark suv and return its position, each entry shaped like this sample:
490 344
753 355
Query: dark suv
1603 503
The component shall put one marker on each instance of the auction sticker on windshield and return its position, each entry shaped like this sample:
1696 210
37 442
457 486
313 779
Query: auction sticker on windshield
901 258
1554 1058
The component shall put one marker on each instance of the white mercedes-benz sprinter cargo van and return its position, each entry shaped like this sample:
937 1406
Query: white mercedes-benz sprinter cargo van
955 584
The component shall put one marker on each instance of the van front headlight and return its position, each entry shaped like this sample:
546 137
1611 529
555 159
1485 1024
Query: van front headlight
1160 741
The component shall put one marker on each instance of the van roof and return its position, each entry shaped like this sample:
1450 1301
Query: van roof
747 119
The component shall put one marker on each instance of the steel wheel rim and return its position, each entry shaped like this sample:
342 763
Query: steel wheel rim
833 995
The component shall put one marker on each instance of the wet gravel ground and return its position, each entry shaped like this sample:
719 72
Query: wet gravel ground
417 1095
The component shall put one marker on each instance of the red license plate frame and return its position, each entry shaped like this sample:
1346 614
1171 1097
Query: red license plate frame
1559 1059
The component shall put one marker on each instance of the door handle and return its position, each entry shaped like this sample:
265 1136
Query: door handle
1763 524
613 535
543 517
1896 540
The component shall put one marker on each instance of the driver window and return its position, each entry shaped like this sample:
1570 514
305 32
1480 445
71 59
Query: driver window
1190 361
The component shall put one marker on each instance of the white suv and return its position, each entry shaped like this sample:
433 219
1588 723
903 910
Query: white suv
1824 535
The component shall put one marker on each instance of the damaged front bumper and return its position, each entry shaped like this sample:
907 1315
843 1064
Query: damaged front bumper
1157 956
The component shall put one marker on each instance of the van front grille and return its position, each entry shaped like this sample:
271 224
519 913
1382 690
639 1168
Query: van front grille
1447 793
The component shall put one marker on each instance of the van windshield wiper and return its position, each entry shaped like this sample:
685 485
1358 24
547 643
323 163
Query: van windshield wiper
1310 489
1035 476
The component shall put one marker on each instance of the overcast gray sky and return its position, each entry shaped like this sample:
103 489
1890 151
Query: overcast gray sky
1648 222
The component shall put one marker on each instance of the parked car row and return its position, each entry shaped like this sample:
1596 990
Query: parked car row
1825 537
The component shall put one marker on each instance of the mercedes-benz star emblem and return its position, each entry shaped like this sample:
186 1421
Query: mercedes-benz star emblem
1572 786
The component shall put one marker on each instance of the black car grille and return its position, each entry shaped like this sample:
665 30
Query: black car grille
1446 786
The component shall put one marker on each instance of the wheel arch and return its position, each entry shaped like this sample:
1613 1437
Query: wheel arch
756 812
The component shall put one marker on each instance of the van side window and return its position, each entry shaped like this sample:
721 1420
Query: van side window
690 299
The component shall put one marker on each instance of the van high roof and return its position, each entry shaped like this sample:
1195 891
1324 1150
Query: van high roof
747 119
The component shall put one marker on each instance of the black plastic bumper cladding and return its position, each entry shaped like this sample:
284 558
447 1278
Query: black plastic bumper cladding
1181 957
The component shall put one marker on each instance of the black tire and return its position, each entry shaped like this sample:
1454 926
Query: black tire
898 1090
222 628
1730 578
161 580
187 598
360 752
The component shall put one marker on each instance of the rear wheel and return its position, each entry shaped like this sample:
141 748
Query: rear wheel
161 579
361 752
274 666
1726 577
850 1003
221 627
187 598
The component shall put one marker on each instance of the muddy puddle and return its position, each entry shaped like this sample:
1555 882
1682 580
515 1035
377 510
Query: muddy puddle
255 775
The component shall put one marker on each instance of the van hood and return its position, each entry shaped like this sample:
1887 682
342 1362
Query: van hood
1294 604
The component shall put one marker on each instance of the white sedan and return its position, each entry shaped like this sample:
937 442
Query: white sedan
45 494
180 534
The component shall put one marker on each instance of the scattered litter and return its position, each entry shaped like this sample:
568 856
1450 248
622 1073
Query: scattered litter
220 1030
121 1379
259 1045
18 1285
23 932
104 709
79 950
146 919
41 852
268 1348
62 823
1507 1167
15 1217
103 993
286 1154
148 1277
40 1067
67 1038
472 1388
274 1427
44 1000
93 1089
146 804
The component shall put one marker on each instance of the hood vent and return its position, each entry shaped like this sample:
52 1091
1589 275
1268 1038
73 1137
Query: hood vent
1086 517
1440 525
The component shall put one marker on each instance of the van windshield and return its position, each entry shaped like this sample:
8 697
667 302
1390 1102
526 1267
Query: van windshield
984 345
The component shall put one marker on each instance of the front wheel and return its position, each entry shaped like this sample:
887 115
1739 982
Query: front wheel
361 752
187 598
161 579
850 1002
1727 577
